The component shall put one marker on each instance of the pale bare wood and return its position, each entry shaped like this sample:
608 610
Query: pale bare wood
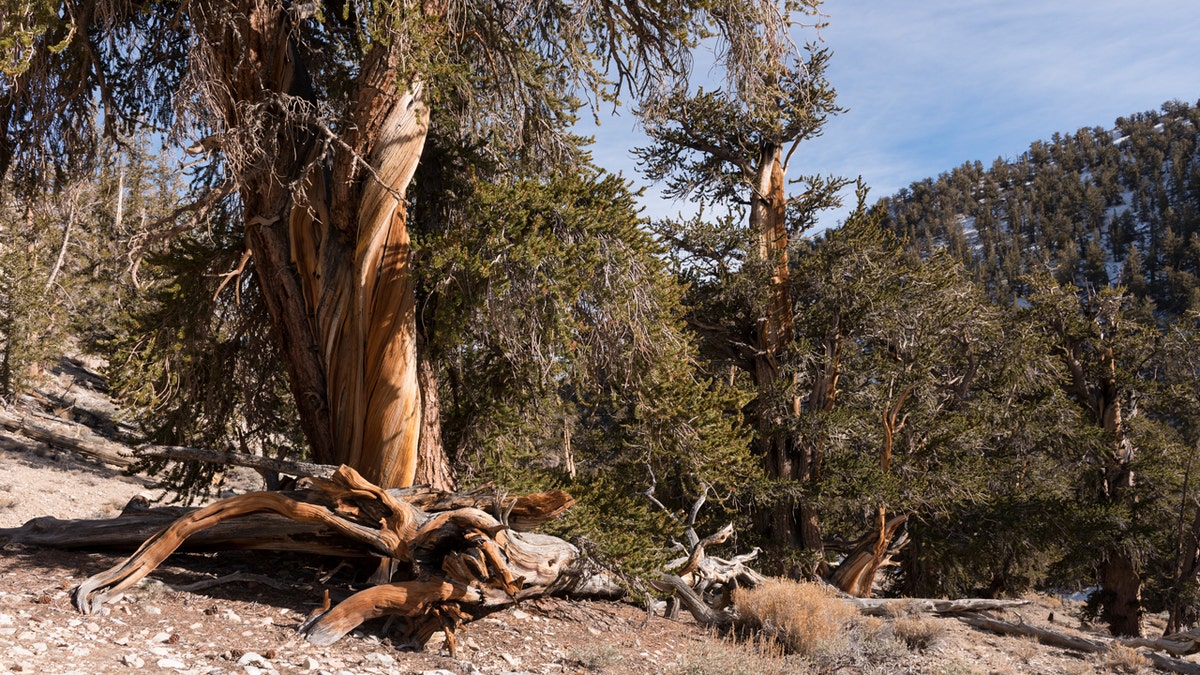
463 562
1072 642
900 606
80 438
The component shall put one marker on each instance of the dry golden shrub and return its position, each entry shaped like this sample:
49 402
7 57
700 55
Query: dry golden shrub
918 632
805 617
1122 659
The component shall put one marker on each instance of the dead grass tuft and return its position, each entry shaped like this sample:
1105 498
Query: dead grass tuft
726 657
596 656
804 617
918 632
1122 659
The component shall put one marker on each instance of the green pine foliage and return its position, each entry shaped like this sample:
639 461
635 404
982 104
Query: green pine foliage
565 365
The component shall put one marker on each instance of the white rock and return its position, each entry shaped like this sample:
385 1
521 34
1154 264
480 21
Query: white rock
520 615
380 659
92 627
309 664
39 647
133 661
160 651
6 620
151 609
161 637
510 660
251 658
27 636
19 651
173 664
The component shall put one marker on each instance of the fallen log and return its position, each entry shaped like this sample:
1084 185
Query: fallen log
81 439
453 561
903 606
1074 643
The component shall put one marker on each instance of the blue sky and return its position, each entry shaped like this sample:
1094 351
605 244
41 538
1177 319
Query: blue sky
931 84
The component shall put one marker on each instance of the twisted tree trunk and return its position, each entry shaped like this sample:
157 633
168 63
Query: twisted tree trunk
326 221
458 562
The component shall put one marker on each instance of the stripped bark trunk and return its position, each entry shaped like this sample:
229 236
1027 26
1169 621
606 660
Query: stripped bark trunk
768 203
856 574
433 465
326 224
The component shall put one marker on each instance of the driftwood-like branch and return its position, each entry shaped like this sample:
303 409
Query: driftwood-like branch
1079 644
80 438
459 563
899 606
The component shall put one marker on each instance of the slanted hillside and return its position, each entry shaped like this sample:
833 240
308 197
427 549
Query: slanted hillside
1097 207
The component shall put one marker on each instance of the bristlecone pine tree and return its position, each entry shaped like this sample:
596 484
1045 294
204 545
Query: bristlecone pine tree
313 118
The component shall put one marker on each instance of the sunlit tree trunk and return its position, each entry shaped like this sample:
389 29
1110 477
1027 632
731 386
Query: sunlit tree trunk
774 323
331 246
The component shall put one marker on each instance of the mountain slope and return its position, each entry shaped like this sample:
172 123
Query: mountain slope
1097 207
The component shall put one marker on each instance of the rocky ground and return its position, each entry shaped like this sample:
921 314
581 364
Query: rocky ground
237 612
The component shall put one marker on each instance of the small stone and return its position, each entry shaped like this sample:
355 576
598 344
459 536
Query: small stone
151 609
520 615
133 661
27 636
24 667
39 647
19 651
309 664
80 651
380 659
160 651
6 620
196 626
123 640
92 627
173 664
251 658
161 637
510 660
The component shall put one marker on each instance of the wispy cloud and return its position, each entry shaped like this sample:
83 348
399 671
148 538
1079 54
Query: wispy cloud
932 84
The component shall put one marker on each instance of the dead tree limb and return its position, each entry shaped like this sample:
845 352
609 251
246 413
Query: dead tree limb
80 438
458 564
1079 644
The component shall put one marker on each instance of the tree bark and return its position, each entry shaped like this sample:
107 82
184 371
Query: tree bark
856 574
327 225
433 465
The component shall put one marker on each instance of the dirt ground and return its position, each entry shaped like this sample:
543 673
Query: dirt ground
238 612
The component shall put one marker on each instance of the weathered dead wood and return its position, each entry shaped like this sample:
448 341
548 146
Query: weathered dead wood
856 574
459 564
901 606
80 438
1057 639
75 437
